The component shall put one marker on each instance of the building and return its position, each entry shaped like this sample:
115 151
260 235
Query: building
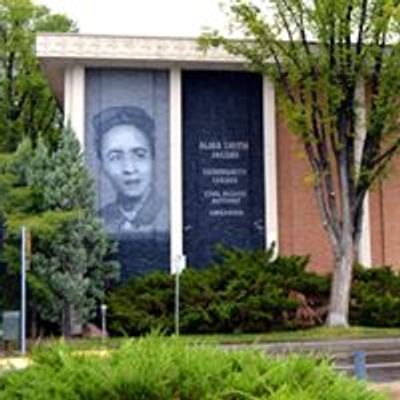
208 158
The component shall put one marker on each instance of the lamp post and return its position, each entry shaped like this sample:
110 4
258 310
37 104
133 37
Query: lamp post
23 291
103 310
178 267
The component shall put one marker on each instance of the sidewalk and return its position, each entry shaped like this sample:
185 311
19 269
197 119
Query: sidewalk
14 363
325 346
393 389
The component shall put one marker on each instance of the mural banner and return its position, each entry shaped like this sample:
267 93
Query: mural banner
126 145
223 163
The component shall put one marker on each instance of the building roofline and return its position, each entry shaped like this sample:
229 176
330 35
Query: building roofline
58 51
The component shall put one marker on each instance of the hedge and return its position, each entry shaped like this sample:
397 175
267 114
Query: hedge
164 369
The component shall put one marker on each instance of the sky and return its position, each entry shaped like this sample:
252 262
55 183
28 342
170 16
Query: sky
186 18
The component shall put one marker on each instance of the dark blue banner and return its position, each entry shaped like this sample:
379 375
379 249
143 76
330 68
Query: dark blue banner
223 163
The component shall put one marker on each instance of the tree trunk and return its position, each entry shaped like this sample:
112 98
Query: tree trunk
34 322
66 321
76 322
341 284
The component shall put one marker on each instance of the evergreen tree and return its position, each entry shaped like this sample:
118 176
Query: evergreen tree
67 184
27 106
53 196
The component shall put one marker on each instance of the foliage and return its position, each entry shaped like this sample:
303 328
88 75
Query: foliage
246 291
376 297
249 291
319 54
145 303
27 107
90 344
52 195
157 368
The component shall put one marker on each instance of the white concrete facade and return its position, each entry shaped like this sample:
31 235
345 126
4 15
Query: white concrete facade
74 100
176 168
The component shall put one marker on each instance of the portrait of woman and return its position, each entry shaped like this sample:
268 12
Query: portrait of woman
126 151
126 148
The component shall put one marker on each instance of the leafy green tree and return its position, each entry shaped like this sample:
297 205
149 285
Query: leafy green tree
52 195
27 107
317 53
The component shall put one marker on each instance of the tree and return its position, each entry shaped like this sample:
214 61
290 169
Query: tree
52 195
27 107
317 53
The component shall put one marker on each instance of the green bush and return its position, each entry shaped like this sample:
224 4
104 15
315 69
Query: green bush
164 369
250 291
143 304
245 291
375 297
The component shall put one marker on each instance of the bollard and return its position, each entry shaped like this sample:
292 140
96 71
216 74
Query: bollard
103 310
360 369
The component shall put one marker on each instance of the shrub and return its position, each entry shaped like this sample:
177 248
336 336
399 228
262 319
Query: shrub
250 291
375 297
142 304
162 369
245 291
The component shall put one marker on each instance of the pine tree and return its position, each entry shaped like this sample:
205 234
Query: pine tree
67 184
70 263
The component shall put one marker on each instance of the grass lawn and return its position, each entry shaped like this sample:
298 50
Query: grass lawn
321 333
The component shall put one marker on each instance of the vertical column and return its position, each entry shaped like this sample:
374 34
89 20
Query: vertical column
74 115
364 251
176 175
270 166
74 100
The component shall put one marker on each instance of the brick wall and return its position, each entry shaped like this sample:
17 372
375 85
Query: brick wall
385 219
300 228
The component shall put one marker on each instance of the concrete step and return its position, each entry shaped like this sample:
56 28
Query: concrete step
372 357
339 347
379 373
382 356
335 346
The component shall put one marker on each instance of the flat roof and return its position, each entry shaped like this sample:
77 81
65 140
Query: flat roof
57 51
